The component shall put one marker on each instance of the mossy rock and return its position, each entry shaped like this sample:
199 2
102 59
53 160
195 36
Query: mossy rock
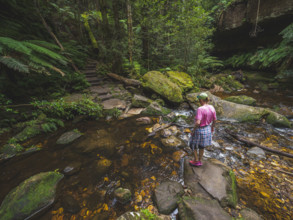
183 80
162 85
31 196
123 195
139 101
242 99
29 132
156 109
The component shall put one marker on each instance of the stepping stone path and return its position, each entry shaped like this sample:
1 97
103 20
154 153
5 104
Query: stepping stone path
111 94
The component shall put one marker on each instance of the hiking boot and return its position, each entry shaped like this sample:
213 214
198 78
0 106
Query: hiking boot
194 163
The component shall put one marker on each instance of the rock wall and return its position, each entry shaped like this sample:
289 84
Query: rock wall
236 24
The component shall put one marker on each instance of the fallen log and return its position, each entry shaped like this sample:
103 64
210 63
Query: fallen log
282 171
242 139
126 81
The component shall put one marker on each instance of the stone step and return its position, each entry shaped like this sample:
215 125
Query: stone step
90 67
90 75
105 97
93 80
88 71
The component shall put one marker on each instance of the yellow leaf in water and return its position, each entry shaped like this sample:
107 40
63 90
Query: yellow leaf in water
142 193
281 201
265 194
136 208
127 142
174 173
60 211
138 199
187 130
150 130
151 208
72 217
54 212
85 189
106 179
60 217
105 207
153 178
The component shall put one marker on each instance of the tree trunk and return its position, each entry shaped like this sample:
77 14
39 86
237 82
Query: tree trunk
130 32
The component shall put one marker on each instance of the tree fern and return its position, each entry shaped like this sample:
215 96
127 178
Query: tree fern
46 44
12 63
43 50
14 45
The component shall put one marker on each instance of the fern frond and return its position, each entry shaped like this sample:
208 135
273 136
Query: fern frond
46 44
43 50
15 45
12 63
42 62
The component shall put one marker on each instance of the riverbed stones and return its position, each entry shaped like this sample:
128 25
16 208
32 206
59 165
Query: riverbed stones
166 196
103 165
70 204
68 137
176 156
114 103
122 195
244 113
30 196
241 99
200 208
101 142
249 214
72 169
218 180
256 153
161 84
172 130
172 142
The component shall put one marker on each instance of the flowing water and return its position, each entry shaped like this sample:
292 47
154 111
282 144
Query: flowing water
117 153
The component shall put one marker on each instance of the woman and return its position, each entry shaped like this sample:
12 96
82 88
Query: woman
205 120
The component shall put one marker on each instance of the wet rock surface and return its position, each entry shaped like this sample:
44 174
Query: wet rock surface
166 196
200 208
256 153
69 137
122 195
31 196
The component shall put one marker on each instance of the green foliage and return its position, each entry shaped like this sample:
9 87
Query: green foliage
51 125
278 57
148 215
62 109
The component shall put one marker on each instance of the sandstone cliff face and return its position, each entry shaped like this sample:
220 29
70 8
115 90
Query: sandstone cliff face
236 24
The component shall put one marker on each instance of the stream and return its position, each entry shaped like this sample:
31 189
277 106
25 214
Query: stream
129 160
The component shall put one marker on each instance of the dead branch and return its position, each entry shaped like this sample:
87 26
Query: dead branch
251 143
128 82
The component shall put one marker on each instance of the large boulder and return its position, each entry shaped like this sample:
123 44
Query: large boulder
244 113
162 85
166 196
31 196
219 181
200 208
183 80
241 99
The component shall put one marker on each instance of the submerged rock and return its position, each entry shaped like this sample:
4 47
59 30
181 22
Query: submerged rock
244 113
72 169
114 103
144 120
70 204
166 196
162 85
241 99
69 137
172 142
103 165
249 214
30 197
200 208
122 195
257 153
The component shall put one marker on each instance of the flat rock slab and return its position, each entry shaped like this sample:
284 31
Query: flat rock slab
249 214
203 209
74 98
166 196
30 197
100 90
218 180
191 179
68 137
114 103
